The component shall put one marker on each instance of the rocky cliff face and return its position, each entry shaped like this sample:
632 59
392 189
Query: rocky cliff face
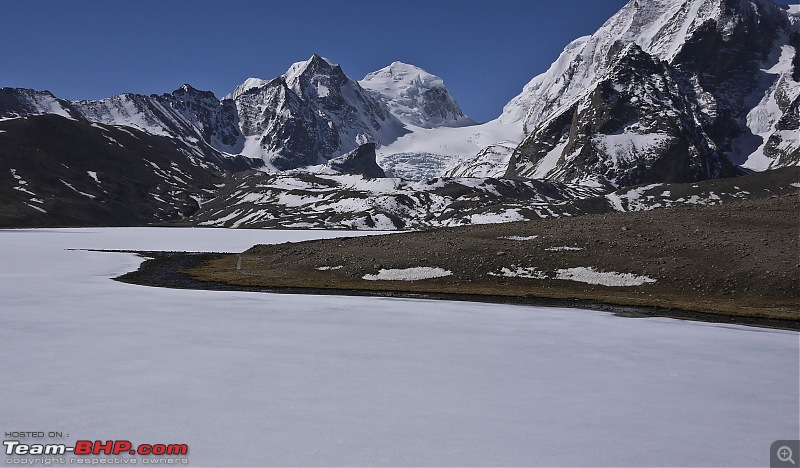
665 91
360 161
636 126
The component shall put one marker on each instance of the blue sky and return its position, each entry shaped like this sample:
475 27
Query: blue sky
484 50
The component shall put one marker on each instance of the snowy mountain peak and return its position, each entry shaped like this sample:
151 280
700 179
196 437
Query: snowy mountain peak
194 93
248 84
415 96
308 115
315 65
661 28
403 76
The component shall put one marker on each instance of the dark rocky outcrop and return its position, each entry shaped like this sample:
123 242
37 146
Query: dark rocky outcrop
360 161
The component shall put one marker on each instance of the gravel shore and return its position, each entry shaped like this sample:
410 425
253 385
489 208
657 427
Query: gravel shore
736 262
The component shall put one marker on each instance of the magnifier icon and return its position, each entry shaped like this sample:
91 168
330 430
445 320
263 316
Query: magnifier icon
785 455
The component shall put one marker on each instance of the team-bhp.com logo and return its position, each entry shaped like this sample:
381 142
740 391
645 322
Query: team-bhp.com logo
97 447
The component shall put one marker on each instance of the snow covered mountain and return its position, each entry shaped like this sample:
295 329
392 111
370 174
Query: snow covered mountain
717 89
666 91
416 97
312 113
308 115
204 124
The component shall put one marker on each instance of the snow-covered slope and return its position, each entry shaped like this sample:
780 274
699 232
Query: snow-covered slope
186 113
661 28
415 96
326 201
20 102
441 140
432 152
726 82
308 115
491 161
206 126
773 118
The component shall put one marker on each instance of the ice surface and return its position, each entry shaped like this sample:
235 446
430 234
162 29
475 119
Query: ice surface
249 379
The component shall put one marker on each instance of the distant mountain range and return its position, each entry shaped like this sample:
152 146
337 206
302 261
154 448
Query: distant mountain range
666 91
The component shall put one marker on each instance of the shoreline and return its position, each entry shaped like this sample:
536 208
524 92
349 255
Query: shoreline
164 269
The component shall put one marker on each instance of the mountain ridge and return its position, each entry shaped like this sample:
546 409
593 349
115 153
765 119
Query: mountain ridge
664 92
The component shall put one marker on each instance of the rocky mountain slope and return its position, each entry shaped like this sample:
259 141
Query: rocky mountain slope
330 201
737 260
56 171
308 115
326 201
196 118
666 91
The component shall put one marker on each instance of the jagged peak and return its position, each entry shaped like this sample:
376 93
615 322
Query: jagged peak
315 63
187 89
247 85
661 28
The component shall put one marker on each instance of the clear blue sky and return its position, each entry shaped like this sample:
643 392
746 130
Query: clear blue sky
484 50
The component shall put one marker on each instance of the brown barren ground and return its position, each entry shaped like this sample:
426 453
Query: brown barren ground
737 260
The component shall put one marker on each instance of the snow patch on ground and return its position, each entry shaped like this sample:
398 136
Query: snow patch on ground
328 268
520 272
506 216
562 248
627 201
409 274
549 162
629 145
518 238
36 208
605 278
87 195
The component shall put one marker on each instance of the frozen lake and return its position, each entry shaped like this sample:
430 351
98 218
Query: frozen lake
269 379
